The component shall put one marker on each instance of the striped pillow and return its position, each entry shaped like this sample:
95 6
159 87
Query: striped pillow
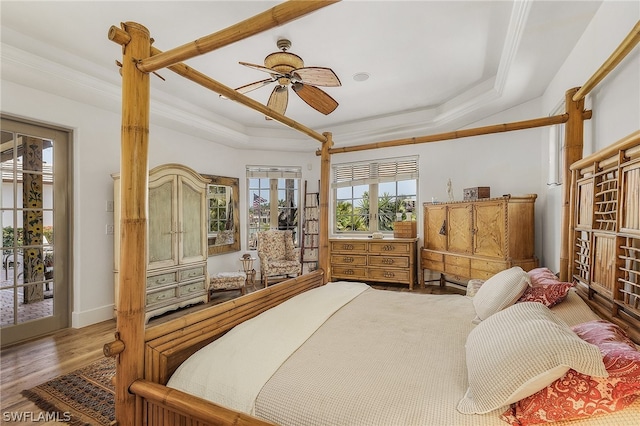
518 351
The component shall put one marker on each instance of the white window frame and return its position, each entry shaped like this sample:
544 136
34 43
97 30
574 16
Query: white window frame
373 173
271 194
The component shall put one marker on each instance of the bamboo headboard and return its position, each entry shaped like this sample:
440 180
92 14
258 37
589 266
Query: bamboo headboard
605 260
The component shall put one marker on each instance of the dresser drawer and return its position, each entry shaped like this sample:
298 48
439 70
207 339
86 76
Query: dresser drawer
161 279
461 271
482 275
348 259
390 247
390 261
348 246
191 289
433 265
426 255
161 296
349 272
488 266
191 273
390 275
464 262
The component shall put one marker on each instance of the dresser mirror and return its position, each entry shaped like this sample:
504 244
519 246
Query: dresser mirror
223 221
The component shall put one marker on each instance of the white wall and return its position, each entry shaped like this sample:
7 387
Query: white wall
615 101
505 162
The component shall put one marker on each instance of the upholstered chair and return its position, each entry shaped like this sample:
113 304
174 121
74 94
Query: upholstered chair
278 255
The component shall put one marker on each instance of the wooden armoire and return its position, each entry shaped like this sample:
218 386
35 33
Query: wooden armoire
177 238
476 239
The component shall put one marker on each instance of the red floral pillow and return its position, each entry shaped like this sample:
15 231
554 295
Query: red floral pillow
545 288
576 395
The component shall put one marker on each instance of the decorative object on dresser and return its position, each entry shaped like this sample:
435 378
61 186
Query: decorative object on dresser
605 256
177 238
406 229
477 193
476 239
388 260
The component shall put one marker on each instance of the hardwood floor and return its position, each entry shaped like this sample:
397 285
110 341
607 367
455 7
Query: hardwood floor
27 364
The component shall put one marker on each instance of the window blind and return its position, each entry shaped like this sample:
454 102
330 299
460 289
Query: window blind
365 173
274 172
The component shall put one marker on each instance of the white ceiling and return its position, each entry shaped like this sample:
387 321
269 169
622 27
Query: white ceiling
434 66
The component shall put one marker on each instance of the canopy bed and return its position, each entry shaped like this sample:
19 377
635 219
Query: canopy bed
148 357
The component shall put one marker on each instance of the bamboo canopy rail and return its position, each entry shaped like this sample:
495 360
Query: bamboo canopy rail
274 17
121 37
616 57
457 134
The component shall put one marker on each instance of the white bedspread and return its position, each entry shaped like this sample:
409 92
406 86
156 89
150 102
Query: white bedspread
248 355
379 358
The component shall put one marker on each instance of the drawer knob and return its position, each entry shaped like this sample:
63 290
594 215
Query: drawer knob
389 274
347 259
349 271
387 261
388 248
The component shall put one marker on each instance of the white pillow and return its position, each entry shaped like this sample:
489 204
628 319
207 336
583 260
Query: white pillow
518 351
501 290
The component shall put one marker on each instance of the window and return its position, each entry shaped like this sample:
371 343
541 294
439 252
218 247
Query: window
393 183
274 197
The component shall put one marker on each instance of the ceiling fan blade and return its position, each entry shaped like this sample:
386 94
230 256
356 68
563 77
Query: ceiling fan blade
318 76
260 68
278 99
255 85
316 98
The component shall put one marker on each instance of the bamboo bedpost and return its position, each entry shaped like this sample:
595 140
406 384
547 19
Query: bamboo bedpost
325 177
133 223
574 134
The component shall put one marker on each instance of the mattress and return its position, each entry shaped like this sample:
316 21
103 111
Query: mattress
381 358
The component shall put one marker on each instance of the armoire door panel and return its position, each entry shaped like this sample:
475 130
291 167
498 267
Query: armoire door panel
162 232
435 227
459 237
191 208
489 224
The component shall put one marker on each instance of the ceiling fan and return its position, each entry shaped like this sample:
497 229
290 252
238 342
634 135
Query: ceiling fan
286 70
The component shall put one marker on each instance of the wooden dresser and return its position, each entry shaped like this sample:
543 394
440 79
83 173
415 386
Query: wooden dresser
177 238
391 260
476 239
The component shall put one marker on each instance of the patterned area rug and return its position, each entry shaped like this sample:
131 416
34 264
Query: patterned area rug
86 394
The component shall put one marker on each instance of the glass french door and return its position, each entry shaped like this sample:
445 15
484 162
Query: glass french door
34 279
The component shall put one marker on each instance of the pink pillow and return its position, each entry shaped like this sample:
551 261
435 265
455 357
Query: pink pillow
541 276
545 288
576 395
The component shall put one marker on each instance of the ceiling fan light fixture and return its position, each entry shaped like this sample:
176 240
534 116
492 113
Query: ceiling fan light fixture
283 62
288 70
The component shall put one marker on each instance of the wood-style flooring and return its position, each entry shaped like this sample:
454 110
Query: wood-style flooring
28 364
